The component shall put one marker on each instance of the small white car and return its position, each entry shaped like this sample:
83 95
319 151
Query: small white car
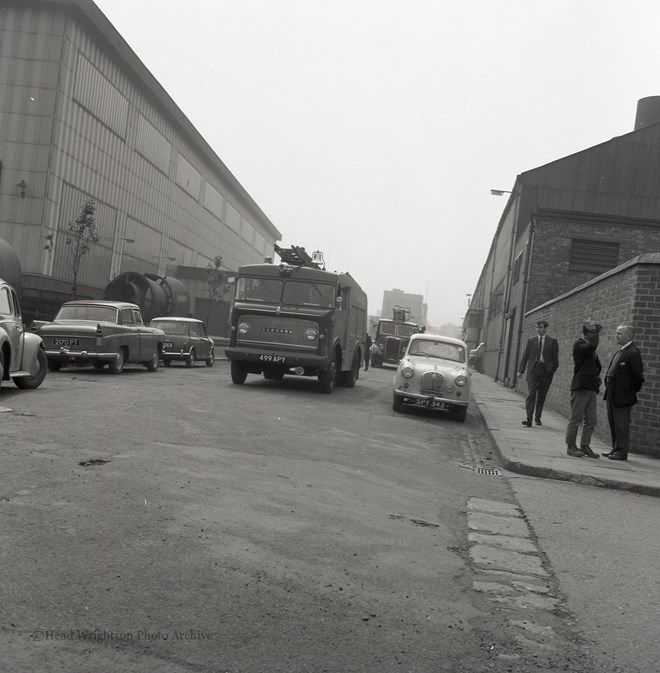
433 374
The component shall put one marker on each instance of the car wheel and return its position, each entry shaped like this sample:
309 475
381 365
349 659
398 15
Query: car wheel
238 371
397 402
32 382
99 365
152 365
211 359
327 378
167 362
461 413
190 358
117 365
54 366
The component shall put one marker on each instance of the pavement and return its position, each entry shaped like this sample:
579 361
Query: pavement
540 451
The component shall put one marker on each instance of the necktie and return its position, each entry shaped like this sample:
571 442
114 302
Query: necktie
540 357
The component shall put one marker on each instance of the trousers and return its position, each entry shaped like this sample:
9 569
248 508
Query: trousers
584 410
538 384
619 421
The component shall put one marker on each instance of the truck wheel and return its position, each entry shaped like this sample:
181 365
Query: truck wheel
350 377
117 365
397 402
32 382
328 377
238 371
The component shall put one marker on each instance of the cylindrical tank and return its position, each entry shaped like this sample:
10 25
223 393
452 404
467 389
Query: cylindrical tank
155 295
648 112
10 267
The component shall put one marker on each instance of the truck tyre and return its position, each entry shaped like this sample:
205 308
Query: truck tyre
32 382
349 378
327 378
238 372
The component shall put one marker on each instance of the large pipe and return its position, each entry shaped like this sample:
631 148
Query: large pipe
155 295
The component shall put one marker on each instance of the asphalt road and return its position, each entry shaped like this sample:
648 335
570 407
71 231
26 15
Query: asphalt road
175 522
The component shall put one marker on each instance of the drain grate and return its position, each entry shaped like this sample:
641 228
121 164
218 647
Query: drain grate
488 471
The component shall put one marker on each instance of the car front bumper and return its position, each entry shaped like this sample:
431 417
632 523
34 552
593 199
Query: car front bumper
446 401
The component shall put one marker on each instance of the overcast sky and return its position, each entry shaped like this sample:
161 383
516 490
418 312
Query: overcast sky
374 130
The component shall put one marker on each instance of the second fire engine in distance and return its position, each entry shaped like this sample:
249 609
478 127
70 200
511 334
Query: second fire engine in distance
297 319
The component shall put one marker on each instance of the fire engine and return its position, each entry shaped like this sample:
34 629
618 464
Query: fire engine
296 318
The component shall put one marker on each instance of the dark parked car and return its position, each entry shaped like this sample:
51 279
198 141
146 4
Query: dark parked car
22 355
186 340
99 333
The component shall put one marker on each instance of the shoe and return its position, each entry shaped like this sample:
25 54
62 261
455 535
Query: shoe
618 454
527 423
538 421
575 452
588 452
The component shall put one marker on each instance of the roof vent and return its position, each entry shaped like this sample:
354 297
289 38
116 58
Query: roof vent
648 112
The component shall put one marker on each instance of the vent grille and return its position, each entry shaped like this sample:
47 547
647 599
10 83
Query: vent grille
433 382
593 256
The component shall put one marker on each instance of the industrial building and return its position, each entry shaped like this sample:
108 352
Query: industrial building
576 228
82 118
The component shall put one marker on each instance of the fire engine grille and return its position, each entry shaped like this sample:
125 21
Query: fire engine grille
433 382
393 349
277 331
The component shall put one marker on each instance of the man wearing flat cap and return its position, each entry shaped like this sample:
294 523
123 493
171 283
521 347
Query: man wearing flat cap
541 359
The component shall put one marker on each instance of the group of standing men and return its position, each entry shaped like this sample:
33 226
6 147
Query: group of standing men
623 380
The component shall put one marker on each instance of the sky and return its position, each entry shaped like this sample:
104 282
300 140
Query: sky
374 130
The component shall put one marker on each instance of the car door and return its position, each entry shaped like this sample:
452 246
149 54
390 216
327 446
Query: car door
10 320
131 334
198 341
145 335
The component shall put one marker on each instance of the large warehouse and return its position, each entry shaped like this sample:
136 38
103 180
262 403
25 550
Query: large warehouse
82 118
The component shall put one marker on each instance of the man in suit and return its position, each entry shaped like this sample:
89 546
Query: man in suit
584 392
367 351
623 381
541 359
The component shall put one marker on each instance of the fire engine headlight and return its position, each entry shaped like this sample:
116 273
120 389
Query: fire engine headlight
460 380
407 372
244 328
311 334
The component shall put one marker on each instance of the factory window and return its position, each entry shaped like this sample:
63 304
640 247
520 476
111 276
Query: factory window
517 266
593 256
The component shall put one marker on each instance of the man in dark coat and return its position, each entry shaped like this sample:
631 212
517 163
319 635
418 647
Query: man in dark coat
584 392
541 359
367 352
623 381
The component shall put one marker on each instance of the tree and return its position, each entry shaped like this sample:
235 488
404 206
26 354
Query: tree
215 282
80 236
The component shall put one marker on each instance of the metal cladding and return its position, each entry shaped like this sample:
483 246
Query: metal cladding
648 112
10 267
155 295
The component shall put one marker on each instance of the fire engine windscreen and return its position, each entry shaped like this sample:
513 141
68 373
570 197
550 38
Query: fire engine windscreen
292 292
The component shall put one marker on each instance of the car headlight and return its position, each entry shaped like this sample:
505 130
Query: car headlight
460 380
311 334
407 372
244 328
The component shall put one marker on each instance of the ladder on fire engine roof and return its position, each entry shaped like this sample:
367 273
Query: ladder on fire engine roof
296 256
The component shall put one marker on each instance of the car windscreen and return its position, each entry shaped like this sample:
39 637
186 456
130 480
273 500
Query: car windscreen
96 313
306 293
437 349
170 326
268 290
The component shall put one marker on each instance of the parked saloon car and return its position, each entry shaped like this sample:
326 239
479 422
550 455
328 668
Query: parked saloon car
185 339
434 374
22 355
100 333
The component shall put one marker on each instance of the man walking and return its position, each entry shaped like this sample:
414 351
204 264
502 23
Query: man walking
623 381
584 392
541 359
367 352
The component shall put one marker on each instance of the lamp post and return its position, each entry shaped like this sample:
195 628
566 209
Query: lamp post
500 192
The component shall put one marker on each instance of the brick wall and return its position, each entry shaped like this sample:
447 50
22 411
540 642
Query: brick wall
628 294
